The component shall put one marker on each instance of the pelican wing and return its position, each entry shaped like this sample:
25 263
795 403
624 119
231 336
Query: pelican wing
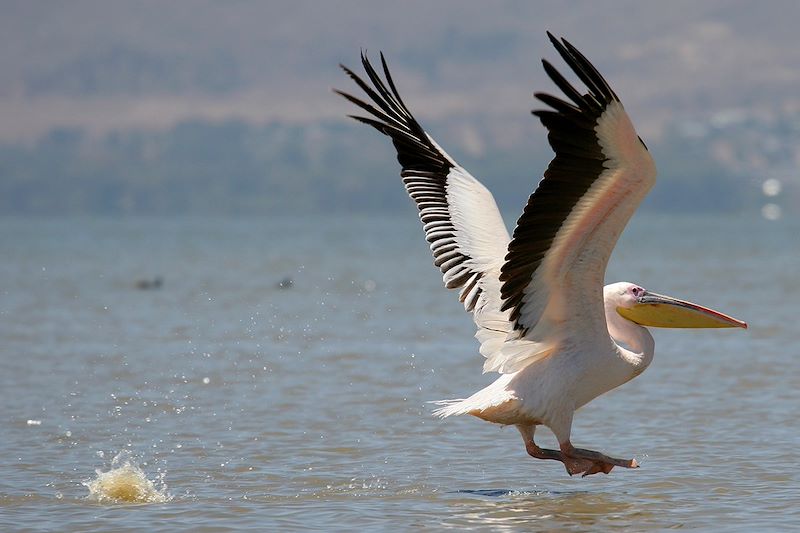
459 215
553 273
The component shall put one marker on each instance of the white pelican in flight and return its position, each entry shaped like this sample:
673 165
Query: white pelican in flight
546 323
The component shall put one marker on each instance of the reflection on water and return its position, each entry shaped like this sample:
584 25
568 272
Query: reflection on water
306 405
569 509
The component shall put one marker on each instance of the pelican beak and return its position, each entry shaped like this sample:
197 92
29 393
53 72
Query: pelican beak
659 311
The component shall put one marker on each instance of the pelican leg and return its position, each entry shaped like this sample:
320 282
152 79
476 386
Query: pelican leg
573 465
543 453
588 462
533 450
576 460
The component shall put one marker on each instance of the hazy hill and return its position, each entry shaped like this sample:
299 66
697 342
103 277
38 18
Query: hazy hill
113 64
97 96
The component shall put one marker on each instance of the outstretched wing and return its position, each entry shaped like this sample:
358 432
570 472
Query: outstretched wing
553 273
459 215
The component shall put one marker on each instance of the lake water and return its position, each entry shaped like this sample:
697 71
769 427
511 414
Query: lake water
250 406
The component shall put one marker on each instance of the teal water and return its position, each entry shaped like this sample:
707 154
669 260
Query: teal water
254 407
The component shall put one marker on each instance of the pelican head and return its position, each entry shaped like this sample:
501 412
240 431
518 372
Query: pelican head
645 308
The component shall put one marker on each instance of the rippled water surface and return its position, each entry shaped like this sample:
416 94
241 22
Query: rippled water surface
248 405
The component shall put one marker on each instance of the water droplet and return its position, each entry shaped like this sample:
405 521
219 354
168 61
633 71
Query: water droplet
771 187
771 211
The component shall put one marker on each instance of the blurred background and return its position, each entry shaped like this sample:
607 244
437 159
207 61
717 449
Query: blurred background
203 107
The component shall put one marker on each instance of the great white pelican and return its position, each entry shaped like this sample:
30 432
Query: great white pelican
546 323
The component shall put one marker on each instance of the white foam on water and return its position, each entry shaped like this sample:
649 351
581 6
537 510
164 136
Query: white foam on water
126 483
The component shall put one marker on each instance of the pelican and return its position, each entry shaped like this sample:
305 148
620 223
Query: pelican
557 336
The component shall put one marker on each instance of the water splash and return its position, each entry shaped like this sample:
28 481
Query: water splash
126 483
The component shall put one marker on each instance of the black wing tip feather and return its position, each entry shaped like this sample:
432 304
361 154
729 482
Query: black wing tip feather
392 108
387 113
600 93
